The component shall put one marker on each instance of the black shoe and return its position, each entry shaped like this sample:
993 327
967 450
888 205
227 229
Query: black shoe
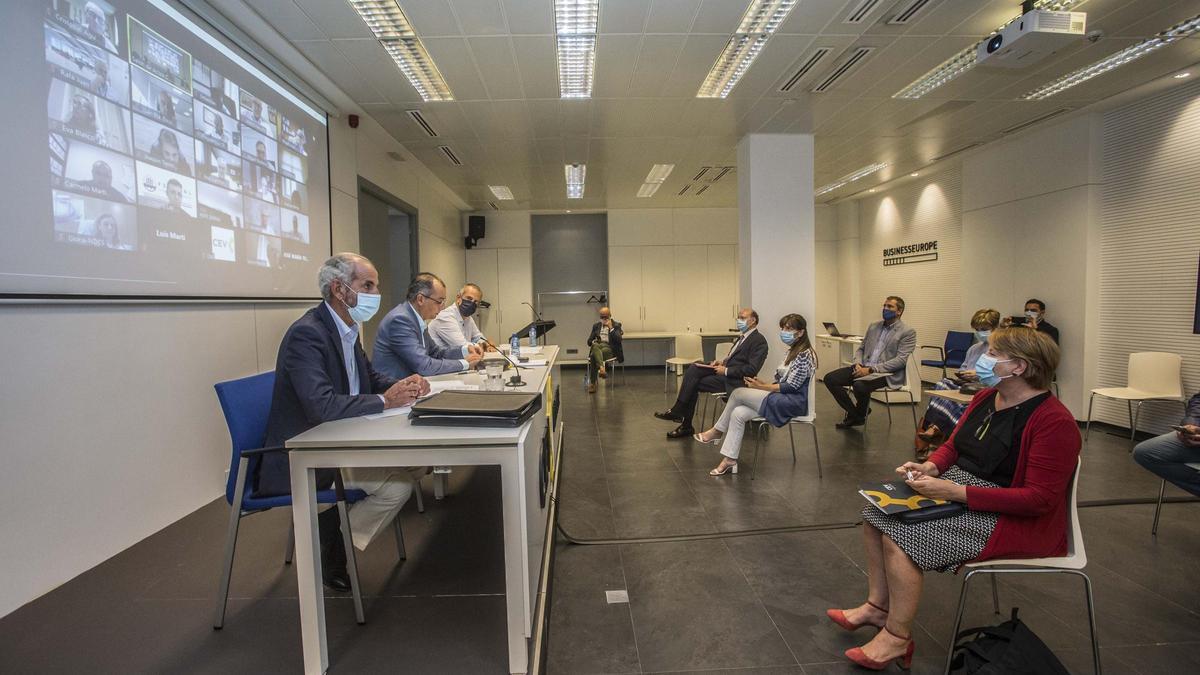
850 422
333 551
336 580
681 431
669 416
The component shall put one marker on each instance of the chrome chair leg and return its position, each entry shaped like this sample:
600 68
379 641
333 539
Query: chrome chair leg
351 563
995 595
913 408
1087 427
291 545
235 518
817 447
760 437
1158 507
792 440
419 494
1131 425
400 548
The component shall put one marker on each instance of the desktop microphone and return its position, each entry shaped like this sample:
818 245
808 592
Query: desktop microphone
515 380
536 314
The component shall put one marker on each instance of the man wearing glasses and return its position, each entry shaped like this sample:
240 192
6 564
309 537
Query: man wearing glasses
403 346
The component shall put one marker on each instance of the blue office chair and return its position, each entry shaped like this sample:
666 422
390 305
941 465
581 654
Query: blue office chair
246 402
953 353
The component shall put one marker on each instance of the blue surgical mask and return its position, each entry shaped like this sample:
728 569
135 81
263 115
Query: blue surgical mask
1032 313
742 325
788 337
889 314
467 307
984 370
365 308
983 335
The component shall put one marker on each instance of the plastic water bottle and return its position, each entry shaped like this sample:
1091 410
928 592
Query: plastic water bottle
532 334
514 344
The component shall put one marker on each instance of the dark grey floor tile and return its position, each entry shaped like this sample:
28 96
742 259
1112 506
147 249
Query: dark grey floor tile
587 634
734 502
693 610
768 670
656 504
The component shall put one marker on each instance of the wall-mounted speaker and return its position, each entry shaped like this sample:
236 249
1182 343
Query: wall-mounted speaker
476 228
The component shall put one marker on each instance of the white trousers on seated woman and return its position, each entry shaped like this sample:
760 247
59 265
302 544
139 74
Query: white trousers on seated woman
743 406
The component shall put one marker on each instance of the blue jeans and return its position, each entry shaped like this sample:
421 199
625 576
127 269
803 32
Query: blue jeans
1167 457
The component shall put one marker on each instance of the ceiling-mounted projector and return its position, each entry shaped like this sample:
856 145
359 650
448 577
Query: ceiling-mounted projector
1031 38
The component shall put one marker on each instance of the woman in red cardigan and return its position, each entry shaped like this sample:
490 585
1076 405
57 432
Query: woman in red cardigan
1010 460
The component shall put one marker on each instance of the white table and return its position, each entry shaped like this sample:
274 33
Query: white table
393 441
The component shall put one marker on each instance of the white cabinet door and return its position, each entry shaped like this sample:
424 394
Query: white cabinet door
482 270
691 288
658 288
722 287
515 268
625 286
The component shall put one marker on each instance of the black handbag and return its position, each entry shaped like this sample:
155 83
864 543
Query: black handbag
999 650
931 513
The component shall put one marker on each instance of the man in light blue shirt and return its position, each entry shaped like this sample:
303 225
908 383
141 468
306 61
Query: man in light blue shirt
403 346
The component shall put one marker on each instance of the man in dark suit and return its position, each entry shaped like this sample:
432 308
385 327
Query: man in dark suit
322 374
403 345
603 343
745 360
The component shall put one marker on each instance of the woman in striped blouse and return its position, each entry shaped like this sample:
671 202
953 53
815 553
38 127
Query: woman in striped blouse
778 402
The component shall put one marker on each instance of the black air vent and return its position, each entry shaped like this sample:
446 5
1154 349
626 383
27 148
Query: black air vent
450 155
860 10
807 66
856 57
421 121
1036 120
908 11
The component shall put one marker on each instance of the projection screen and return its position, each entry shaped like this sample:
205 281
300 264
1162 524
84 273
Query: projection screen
146 156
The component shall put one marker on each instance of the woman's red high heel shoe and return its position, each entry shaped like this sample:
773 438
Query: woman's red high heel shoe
838 616
856 655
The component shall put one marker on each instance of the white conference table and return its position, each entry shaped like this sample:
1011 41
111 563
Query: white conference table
393 441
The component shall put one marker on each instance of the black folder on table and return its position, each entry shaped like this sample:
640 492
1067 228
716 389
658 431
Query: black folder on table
476 409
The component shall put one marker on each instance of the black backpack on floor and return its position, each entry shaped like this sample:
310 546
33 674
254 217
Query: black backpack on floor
1007 648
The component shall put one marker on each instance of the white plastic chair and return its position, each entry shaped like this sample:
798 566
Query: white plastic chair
912 383
689 348
1151 376
1161 490
610 367
720 354
1072 563
760 432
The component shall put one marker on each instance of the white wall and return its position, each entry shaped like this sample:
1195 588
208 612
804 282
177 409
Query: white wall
108 410
825 262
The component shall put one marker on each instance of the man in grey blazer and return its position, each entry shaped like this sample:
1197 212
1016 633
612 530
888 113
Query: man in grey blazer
879 361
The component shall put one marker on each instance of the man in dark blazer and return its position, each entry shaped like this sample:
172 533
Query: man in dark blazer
403 345
603 343
322 374
745 360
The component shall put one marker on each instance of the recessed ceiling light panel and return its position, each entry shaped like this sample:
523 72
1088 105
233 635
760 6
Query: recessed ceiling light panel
576 175
762 18
387 21
575 26
501 191
850 178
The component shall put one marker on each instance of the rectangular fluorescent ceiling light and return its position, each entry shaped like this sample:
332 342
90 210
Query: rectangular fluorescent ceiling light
761 19
1131 53
575 26
965 60
576 174
654 180
850 178
501 191
387 21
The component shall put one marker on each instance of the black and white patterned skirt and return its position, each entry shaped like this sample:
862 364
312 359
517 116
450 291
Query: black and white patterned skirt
944 544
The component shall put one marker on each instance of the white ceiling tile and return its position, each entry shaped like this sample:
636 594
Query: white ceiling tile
453 59
431 18
546 118
526 17
576 116
480 17
537 67
672 16
720 16
494 57
696 58
326 56
623 16
655 62
376 67
335 19
616 58
288 19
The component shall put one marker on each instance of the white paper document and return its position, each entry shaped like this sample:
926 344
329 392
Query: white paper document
391 412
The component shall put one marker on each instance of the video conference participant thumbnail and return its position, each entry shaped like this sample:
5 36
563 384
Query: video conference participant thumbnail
218 167
258 115
259 181
161 102
218 206
92 20
293 135
211 87
217 128
80 113
85 65
263 250
159 56
88 221
294 225
261 216
91 170
224 244
161 145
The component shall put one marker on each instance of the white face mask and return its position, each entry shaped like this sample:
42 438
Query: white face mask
1032 313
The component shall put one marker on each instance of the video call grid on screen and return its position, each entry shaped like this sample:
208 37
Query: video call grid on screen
176 168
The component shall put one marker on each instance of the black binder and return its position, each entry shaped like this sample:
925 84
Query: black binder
504 409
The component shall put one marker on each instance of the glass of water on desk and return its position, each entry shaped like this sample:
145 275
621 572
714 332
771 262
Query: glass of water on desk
494 375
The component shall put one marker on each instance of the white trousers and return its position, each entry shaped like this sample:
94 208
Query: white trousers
387 488
744 405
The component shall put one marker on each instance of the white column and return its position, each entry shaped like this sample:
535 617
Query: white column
776 233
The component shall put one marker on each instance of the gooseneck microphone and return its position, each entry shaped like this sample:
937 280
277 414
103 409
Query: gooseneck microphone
515 380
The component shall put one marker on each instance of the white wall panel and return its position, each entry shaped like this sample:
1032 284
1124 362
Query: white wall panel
1149 228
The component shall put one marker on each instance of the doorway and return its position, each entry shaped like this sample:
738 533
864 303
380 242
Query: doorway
387 234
